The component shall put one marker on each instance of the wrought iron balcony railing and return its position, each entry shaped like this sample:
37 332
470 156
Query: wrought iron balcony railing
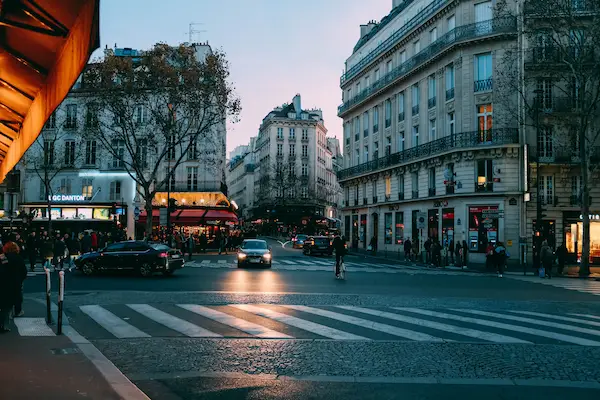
561 154
550 9
542 56
401 116
504 25
431 102
450 94
415 109
496 137
483 85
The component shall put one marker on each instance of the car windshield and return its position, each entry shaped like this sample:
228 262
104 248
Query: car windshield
301 237
160 247
321 240
255 245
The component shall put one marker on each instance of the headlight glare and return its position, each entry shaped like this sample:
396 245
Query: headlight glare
241 255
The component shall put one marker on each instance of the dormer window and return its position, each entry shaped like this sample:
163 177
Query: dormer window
292 115
304 116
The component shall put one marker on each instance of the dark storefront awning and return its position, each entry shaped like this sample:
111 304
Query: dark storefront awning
192 217
44 46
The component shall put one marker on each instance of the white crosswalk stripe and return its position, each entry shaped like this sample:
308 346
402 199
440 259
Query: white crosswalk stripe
578 285
339 323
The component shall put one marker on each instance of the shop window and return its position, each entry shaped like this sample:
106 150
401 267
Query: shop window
433 221
388 228
388 187
484 176
87 188
447 225
483 227
399 227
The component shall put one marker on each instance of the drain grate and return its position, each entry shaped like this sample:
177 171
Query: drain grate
64 351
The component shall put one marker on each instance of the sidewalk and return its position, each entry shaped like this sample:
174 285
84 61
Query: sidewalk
37 364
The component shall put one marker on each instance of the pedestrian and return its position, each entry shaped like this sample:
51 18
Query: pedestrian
86 243
547 259
12 252
407 248
12 274
465 252
74 249
436 254
32 250
373 245
190 246
94 241
47 250
458 252
415 248
60 251
451 251
427 246
561 257
490 257
499 257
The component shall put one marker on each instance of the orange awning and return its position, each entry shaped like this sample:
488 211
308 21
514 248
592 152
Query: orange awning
193 216
44 46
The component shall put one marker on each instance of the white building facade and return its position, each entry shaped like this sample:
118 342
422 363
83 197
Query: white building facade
420 142
240 178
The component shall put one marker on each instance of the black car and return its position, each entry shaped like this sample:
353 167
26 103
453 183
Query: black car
318 245
254 252
145 258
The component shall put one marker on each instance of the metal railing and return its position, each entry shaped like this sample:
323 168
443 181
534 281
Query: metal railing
450 94
543 55
560 155
506 25
483 85
474 139
431 102
550 9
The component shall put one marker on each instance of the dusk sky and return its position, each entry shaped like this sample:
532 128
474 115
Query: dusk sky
276 48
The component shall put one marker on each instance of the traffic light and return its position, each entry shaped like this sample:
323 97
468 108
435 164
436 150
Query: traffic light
113 209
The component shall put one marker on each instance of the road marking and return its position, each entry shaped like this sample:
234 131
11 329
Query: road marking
365 323
221 261
500 325
303 262
587 316
309 326
205 262
533 321
491 337
171 322
237 323
558 317
113 324
287 262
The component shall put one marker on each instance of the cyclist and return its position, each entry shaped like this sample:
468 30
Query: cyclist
339 246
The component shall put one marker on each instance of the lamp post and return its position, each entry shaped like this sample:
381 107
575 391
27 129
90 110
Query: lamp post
538 222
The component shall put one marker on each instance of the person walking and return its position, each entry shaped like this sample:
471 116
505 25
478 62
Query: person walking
94 241
407 249
12 274
73 247
465 251
490 257
339 246
60 250
47 250
12 252
451 251
436 253
190 246
498 257
203 242
33 248
458 252
373 245
86 243
547 258
561 258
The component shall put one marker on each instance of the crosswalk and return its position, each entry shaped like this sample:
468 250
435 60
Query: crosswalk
579 285
341 323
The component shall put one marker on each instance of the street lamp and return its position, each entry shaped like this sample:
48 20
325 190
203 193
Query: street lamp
539 216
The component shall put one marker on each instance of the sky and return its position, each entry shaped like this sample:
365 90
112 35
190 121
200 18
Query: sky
276 48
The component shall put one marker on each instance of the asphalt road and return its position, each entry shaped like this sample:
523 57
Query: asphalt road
294 332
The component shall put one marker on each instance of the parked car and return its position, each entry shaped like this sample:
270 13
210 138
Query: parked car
318 245
145 258
254 252
298 241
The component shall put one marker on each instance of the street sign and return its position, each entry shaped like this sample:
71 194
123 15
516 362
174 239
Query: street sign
421 220
492 214
163 216
136 211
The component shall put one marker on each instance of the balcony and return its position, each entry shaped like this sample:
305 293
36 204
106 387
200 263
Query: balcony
374 199
431 192
548 10
431 103
401 196
561 155
390 42
304 140
280 138
576 200
449 94
415 110
415 194
401 116
388 197
483 85
459 141
497 26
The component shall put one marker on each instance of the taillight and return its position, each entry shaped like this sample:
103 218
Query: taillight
163 255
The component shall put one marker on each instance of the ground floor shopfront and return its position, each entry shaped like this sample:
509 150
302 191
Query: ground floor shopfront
476 220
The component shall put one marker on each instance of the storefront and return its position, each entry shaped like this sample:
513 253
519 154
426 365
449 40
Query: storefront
483 227
573 227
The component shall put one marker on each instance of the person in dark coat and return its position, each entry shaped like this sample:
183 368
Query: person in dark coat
86 243
458 252
94 241
12 274
73 247
47 250
451 251
33 248
465 253
59 251
407 249
17 263
561 257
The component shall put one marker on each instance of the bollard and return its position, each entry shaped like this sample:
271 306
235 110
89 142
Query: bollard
48 292
61 296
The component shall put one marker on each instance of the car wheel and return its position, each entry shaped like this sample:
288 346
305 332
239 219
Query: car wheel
145 270
88 268
239 264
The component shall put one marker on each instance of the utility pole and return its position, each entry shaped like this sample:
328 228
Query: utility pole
191 31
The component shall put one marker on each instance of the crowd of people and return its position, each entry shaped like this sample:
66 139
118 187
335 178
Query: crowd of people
13 272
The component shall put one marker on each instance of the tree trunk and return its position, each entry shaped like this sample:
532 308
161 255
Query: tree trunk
584 268
148 208
48 205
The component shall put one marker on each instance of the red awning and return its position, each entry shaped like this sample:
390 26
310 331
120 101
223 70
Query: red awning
192 216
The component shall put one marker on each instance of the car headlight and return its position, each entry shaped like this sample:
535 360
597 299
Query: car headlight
241 255
267 256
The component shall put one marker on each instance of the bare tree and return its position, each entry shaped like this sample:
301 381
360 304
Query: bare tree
54 151
550 83
152 111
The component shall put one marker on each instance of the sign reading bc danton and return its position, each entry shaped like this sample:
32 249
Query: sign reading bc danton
66 197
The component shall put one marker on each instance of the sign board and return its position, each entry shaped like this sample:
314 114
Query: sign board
421 220
66 197
492 214
136 212
163 216
509 243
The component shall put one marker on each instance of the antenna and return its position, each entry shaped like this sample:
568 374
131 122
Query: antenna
191 32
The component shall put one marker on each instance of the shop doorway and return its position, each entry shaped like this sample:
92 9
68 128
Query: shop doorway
433 223
375 226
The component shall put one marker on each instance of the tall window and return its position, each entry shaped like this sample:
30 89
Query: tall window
415 98
374 190
304 150
366 153
141 152
279 149
51 123
192 178
356 129
485 122
432 131
140 116
304 134
545 142
71 121
292 150
388 145
279 133
389 66
576 93
576 189
292 133
547 189
399 228
375 150
450 82
433 35
402 56
65 186
90 152
388 113
115 190
91 116
432 181
451 22
366 124
432 90
87 188
450 120
357 157
69 152
376 75
172 150
544 96
483 72
484 176
415 185
415 138
119 153
48 152
400 144
375 119
193 149
400 100
401 187
304 170
416 47
304 192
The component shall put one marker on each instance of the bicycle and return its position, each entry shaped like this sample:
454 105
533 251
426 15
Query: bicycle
342 274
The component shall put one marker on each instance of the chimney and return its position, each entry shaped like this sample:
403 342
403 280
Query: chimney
297 105
365 29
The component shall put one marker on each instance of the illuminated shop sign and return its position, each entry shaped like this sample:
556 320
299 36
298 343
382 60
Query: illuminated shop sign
66 197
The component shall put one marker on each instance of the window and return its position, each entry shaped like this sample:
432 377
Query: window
304 134
304 150
432 132
69 152
401 187
416 47
545 142
431 90
400 100
364 192
415 185
483 12
547 189
483 72
576 93
431 181
356 129
544 95
51 123
388 113
484 176
576 189
357 157
388 228
400 144
376 75
115 190
48 152
366 124
389 66
292 150
375 150
304 170
71 122
366 153
141 152
450 119
279 149
388 145
375 119
451 21
374 190
347 195
192 150
91 116
192 178
65 186
402 57
433 35
140 116
415 138
450 82
357 88
415 97
367 82
388 186
279 133
304 192
90 152
484 122
87 188
172 150
399 228
292 133
118 153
